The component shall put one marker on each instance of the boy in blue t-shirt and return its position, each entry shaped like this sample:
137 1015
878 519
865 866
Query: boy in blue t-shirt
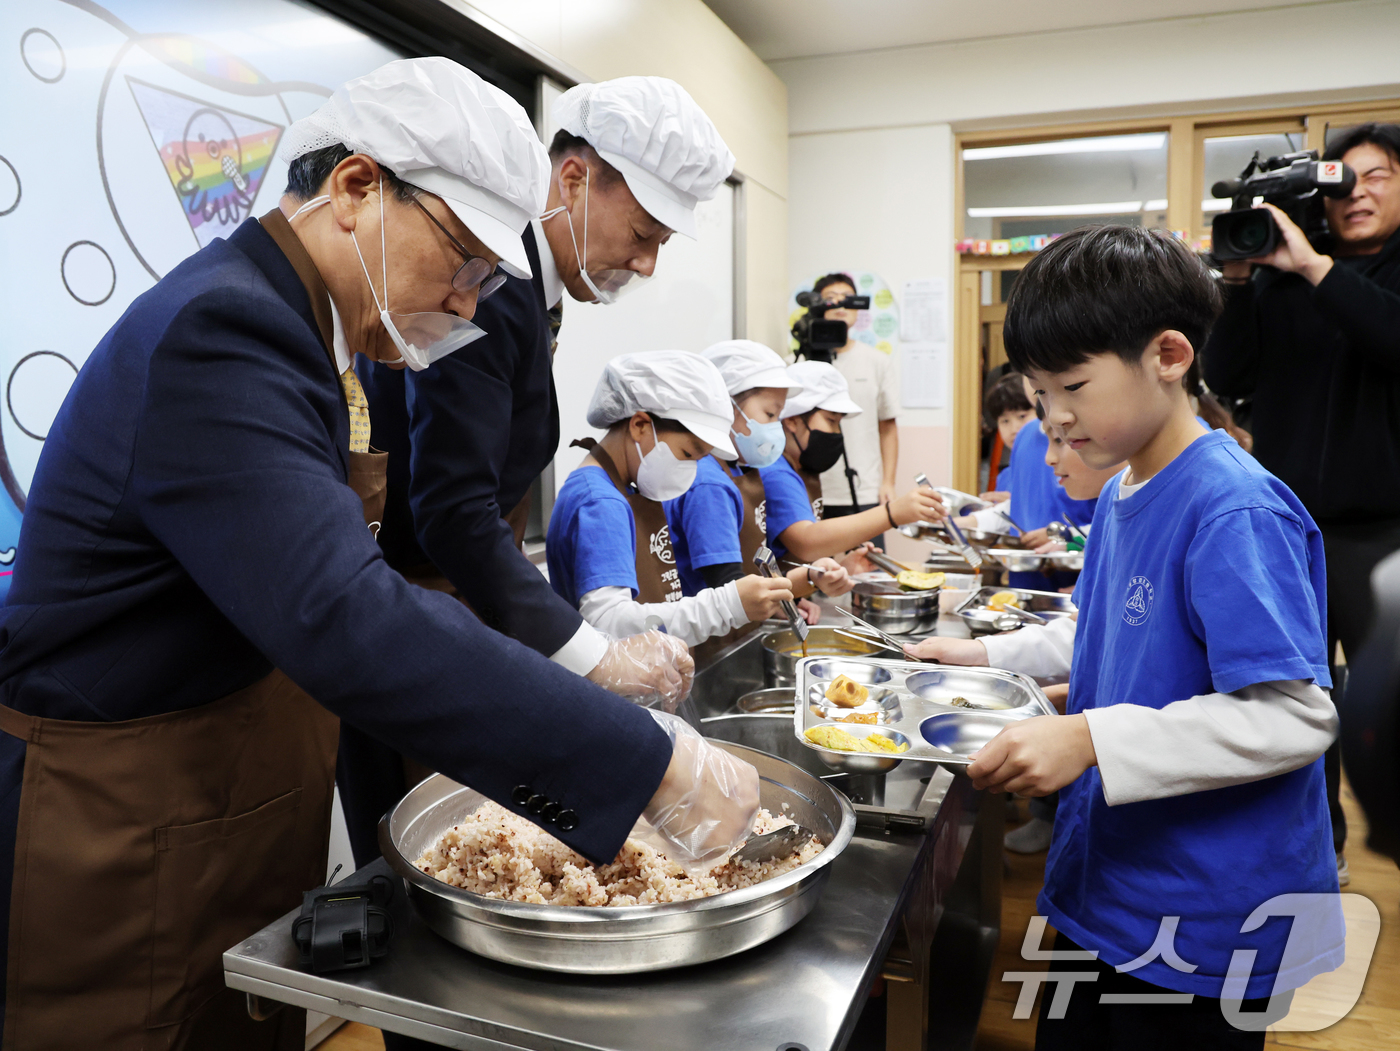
1189 758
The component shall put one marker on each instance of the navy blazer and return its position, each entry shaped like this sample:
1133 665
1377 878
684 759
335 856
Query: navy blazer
466 438
189 528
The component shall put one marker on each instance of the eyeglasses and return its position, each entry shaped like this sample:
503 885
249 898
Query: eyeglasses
474 271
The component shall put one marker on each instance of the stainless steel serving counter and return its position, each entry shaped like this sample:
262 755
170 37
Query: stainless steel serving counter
914 897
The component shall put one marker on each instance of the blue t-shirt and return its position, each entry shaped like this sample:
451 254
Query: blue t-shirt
705 521
1208 579
592 538
786 500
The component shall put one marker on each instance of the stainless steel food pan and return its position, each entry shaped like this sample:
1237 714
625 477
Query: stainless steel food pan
888 606
582 940
782 650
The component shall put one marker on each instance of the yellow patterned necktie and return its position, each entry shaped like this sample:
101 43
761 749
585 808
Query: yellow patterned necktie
358 405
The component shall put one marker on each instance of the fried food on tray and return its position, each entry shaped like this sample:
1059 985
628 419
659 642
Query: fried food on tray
1002 599
859 717
919 581
839 740
846 692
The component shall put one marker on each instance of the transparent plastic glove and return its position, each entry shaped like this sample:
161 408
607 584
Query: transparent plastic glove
706 804
652 668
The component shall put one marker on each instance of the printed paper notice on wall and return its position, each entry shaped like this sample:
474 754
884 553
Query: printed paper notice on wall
924 343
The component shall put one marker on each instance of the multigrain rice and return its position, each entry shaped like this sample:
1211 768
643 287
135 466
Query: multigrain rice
500 855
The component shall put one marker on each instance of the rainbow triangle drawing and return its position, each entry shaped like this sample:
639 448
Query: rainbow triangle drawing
216 158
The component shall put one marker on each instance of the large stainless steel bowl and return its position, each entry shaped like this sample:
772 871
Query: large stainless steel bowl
782 650
583 940
887 605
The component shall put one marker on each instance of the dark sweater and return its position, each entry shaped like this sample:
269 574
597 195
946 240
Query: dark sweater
1323 367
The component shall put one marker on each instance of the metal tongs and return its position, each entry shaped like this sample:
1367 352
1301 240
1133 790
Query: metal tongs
768 566
970 553
889 640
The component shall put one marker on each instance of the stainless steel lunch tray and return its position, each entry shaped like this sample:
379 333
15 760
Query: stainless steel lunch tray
584 940
937 731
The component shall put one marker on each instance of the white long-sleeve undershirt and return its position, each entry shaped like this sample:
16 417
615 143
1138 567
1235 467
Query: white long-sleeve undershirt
692 619
1192 745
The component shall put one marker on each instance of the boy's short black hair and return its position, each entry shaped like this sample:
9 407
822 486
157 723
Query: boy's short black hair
1106 289
1386 136
825 281
1007 394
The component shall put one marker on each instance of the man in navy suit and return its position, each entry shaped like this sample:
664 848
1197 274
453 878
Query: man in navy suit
197 587
467 438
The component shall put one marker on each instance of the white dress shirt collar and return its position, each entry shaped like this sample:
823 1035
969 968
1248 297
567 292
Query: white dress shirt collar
549 273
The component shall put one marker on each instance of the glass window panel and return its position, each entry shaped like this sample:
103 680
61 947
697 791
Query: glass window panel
1051 187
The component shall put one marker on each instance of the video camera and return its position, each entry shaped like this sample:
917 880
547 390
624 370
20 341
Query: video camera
1295 183
816 336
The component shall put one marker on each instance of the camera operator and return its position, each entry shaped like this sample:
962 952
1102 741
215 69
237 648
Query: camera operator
872 438
1315 340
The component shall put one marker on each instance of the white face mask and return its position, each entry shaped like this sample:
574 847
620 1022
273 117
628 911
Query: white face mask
422 338
607 286
661 475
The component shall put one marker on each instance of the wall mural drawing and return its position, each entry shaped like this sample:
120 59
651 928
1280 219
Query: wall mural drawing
136 132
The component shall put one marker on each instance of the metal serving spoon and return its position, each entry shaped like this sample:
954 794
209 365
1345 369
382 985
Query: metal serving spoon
770 846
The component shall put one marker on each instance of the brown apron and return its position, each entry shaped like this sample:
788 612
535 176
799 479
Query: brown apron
753 531
147 847
813 482
658 579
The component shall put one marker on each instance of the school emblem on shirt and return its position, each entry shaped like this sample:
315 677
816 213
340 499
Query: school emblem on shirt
660 545
1139 601
760 516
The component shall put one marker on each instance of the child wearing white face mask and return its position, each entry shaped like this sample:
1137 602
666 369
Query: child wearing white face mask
722 520
609 546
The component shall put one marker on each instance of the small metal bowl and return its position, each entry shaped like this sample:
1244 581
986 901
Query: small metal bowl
990 693
865 674
983 621
860 762
963 733
779 699
882 703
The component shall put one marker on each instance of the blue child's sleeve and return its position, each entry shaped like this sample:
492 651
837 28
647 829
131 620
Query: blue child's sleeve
1256 593
604 544
711 516
785 497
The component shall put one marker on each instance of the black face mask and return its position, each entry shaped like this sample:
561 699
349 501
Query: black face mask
822 452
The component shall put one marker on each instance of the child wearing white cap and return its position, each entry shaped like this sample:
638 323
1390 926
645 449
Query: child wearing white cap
608 547
718 524
812 423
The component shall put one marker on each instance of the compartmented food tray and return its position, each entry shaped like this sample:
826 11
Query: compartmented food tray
937 713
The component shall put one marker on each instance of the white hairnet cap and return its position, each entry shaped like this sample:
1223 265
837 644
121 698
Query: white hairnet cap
437 125
823 387
745 364
652 131
673 384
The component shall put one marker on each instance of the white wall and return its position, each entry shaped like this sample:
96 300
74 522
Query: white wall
871 146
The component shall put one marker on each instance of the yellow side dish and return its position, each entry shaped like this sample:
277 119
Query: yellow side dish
867 718
1002 599
915 581
838 739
